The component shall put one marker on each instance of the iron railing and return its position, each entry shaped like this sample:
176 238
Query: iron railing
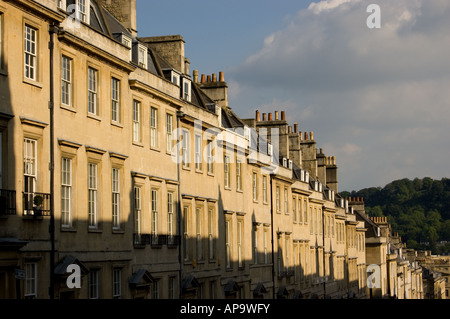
156 241
36 204
7 202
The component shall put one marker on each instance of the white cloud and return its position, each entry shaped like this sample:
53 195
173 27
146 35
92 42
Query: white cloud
375 96
321 6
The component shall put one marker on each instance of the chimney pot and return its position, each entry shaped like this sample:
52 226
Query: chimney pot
283 115
289 129
214 77
276 115
203 78
270 116
196 76
208 78
311 135
221 77
258 118
295 127
264 117
306 136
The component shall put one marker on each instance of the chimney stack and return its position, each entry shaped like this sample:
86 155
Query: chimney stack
124 11
195 76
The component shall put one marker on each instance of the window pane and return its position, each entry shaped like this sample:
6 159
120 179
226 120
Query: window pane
92 90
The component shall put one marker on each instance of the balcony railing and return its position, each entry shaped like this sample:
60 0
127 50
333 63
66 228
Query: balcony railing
141 239
156 241
173 241
7 202
36 204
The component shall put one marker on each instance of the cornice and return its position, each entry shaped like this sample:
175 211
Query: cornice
84 45
38 9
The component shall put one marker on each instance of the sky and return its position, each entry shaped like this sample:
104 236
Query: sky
376 98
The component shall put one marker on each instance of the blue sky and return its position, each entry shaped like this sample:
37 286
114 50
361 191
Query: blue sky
377 99
218 34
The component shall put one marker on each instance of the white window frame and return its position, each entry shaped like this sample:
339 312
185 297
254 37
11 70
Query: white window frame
277 192
239 236
211 233
115 99
142 56
154 207
137 209
186 232
286 201
226 169
82 10
198 231
255 186
198 152
294 209
62 4
66 80
153 127
128 42
115 185
169 132
30 169
66 192
92 90
30 52
185 144
266 259
31 280
210 158
264 181
93 284
170 215
228 243
239 175
117 283
92 195
137 121
186 90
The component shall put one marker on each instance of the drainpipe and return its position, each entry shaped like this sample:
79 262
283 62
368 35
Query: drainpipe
323 253
52 30
180 260
272 239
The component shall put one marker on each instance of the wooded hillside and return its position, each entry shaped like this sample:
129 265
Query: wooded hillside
419 210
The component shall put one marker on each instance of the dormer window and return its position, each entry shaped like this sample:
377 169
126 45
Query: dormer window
175 78
186 94
126 41
79 7
142 56
82 10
